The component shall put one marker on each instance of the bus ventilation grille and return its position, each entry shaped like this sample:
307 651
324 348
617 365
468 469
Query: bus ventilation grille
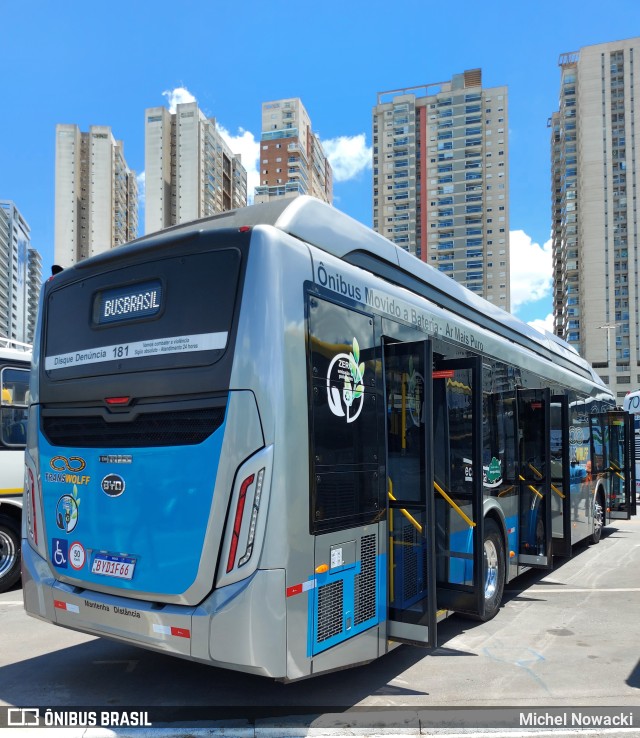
410 572
365 583
176 428
330 609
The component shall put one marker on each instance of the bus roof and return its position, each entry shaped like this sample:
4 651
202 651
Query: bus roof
330 230
11 350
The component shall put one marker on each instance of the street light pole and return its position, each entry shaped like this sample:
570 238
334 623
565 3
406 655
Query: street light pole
608 327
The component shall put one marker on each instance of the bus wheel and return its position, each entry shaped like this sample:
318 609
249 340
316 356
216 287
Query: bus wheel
494 568
9 553
597 518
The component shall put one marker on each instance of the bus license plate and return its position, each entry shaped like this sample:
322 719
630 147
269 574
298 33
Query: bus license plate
120 567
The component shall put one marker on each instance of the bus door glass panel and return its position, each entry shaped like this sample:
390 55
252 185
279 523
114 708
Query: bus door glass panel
564 475
407 374
348 592
14 406
619 465
499 459
534 474
457 487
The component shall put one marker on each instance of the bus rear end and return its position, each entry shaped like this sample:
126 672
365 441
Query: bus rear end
132 412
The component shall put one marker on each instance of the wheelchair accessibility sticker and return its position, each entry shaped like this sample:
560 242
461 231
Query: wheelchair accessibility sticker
59 552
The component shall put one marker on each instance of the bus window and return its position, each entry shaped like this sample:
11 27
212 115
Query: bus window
14 408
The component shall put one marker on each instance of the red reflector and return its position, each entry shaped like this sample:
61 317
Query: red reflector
237 524
244 229
60 605
295 590
117 400
181 632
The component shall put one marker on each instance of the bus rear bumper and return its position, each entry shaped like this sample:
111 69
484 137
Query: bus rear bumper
220 631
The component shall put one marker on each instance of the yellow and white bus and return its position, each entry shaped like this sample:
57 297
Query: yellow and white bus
15 360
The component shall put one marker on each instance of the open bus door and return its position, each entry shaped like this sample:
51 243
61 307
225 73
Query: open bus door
458 473
612 454
408 402
534 476
560 471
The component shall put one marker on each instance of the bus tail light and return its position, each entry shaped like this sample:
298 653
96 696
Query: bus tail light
32 516
255 509
237 523
247 519
239 516
32 523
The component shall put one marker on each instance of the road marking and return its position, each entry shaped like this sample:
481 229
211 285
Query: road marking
11 602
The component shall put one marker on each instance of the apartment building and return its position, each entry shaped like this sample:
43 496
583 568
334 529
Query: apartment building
96 195
190 172
441 179
292 160
20 276
594 158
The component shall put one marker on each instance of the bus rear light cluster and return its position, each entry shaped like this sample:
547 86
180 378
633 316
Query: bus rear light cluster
254 518
237 522
32 525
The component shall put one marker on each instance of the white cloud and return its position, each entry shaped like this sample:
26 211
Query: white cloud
348 156
141 180
178 96
531 273
543 325
245 144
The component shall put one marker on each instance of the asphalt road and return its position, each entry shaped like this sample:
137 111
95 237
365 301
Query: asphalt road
563 639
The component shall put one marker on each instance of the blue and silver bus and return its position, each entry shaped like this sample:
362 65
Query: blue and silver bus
274 442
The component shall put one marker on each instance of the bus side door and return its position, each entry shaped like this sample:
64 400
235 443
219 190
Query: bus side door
409 463
457 487
534 474
613 440
560 472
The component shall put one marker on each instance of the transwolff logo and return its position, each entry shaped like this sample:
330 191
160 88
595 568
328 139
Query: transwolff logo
346 371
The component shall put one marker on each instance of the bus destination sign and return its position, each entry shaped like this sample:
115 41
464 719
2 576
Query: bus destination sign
127 303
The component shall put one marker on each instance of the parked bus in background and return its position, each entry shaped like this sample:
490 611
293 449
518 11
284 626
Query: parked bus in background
631 405
274 442
15 359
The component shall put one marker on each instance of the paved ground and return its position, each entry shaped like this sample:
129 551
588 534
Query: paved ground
563 639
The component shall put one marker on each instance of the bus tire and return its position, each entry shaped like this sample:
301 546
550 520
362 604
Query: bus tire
9 553
494 569
597 517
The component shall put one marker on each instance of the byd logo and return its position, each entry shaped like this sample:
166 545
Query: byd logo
113 485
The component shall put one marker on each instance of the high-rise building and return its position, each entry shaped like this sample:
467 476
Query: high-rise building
190 172
292 160
441 179
96 194
594 162
20 276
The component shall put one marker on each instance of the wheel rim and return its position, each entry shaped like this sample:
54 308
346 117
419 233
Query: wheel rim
491 569
8 553
597 518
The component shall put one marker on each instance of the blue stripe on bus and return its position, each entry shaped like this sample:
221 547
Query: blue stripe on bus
160 519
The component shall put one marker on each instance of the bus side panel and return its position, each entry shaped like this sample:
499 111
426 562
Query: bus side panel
249 631
271 360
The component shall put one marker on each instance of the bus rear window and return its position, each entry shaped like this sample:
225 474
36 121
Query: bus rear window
166 313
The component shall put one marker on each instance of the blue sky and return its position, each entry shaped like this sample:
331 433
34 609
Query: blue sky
104 63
